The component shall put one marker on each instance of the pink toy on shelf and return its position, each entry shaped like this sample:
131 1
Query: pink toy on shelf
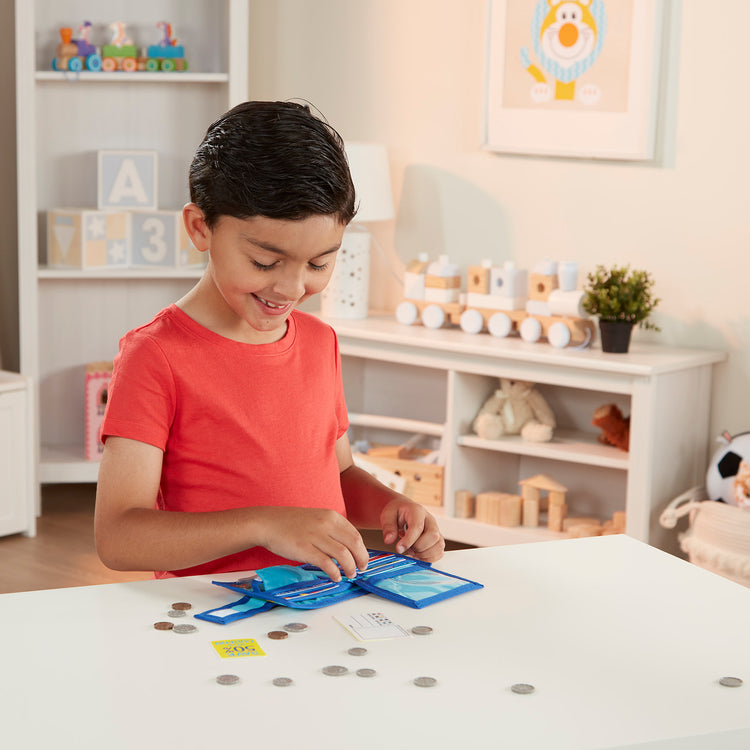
98 376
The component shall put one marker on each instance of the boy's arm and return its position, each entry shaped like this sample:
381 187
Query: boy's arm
132 535
372 505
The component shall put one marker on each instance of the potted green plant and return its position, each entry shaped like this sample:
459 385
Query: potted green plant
621 298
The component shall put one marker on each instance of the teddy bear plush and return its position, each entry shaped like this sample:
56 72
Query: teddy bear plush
516 408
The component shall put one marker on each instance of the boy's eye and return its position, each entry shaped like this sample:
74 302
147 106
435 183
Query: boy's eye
321 267
263 266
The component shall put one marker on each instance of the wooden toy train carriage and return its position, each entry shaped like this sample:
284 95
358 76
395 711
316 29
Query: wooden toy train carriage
499 299
120 53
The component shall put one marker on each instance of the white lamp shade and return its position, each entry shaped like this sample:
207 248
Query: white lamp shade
368 163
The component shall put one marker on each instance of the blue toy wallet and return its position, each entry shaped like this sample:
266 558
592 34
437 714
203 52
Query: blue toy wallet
398 578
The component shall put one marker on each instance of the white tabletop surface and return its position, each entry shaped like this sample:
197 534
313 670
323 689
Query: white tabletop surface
623 643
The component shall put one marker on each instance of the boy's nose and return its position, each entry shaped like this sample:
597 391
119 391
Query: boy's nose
291 285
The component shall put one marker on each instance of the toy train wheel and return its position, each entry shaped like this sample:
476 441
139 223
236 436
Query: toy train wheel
472 321
129 64
407 313
167 65
75 64
109 64
500 325
94 63
152 65
433 316
558 335
531 330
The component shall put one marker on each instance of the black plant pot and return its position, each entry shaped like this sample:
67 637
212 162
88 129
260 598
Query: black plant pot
615 336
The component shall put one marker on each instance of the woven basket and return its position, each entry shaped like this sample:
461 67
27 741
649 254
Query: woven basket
718 537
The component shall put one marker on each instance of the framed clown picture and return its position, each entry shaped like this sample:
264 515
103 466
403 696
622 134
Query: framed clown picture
573 78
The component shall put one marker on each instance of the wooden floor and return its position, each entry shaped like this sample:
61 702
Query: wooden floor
62 553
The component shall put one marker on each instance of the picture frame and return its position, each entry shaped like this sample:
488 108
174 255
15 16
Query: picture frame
573 78
127 180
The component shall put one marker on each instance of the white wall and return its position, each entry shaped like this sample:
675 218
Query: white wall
408 73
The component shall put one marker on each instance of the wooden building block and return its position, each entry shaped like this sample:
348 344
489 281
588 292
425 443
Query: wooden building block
463 504
83 239
618 521
487 507
443 282
478 280
584 529
568 523
556 497
158 240
510 510
541 286
530 513
556 516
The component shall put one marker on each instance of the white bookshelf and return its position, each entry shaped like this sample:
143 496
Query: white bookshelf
402 380
69 318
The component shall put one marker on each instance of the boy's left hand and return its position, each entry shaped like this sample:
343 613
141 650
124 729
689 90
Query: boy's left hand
412 529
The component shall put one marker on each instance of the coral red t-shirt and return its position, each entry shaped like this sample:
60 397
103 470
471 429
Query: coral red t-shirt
240 424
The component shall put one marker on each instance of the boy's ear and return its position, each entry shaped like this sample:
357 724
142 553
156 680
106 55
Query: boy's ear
196 227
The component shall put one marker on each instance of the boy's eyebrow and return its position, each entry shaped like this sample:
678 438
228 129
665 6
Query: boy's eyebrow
272 248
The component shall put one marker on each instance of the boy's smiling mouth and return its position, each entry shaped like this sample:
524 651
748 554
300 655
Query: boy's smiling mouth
272 305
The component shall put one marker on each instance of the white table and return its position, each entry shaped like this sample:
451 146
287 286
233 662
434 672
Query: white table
624 644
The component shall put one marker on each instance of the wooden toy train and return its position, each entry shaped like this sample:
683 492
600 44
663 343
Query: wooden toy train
499 299
120 54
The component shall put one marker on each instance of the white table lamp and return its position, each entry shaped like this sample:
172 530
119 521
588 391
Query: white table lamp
347 293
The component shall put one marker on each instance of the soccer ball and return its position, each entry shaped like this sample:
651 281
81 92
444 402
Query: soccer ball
728 475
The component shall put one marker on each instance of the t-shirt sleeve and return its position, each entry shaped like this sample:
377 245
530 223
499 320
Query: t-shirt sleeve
141 400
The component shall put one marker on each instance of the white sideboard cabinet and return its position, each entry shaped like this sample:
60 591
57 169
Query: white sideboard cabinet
17 456
401 381
71 317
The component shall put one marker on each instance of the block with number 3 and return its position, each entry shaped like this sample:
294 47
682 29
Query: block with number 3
159 240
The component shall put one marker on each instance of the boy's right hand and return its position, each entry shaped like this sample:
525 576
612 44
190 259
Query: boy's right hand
312 535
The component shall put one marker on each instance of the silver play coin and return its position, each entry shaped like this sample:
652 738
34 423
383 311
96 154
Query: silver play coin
366 673
184 629
227 679
425 681
295 627
421 630
357 651
283 681
176 613
522 688
730 682
334 670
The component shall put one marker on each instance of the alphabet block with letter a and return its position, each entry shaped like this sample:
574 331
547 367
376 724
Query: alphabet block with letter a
127 180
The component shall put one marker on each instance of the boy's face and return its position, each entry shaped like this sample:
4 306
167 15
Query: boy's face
263 268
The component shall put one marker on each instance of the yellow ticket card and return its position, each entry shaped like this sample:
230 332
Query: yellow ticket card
237 648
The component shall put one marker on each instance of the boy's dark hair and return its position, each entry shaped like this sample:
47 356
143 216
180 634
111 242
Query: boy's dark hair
273 159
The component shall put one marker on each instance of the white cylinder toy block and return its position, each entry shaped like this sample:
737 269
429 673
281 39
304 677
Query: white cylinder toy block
567 303
407 313
567 275
558 335
347 293
433 316
472 321
500 325
531 330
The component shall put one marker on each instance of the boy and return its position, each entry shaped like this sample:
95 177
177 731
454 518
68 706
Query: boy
225 431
